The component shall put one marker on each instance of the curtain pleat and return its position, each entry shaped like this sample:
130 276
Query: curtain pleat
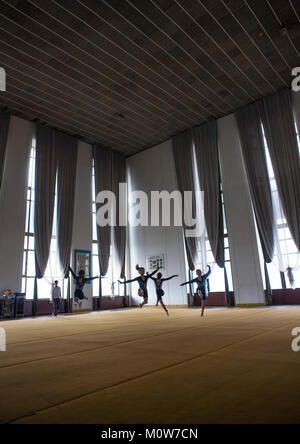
268 292
66 152
4 126
69 308
45 178
35 298
277 116
207 156
183 156
119 238
103 159
252 142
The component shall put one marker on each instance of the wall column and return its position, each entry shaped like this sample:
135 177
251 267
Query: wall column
13 203
83 230
246 270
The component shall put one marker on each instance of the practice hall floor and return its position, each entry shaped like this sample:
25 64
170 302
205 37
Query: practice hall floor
139 366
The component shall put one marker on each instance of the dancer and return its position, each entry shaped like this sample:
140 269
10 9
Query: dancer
201 281
80 281
158 281
142 281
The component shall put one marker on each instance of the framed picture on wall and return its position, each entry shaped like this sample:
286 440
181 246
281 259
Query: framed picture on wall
155 261
83 261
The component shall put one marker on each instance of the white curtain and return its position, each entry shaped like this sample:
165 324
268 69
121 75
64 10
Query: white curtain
54 270
286 255
201 261
277 116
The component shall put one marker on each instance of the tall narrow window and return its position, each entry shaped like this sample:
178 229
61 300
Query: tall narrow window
217 281
53 270
28 257
95 260
109 283
286 253
226 247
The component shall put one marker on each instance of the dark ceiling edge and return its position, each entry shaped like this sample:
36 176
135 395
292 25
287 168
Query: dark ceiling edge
217 118
164 69
23 116
83 139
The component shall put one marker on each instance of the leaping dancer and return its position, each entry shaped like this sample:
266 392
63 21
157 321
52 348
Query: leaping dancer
80 282
142 281
201 281
159 291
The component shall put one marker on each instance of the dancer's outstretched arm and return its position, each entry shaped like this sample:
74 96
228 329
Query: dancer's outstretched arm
128 282
207 274
155 271
189 282
72 272
171 277
91 279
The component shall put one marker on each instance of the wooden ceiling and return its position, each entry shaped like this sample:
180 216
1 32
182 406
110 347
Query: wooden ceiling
129 74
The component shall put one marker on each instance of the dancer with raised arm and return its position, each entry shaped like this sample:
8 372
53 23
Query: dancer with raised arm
142 281
201 281
80 282
158 281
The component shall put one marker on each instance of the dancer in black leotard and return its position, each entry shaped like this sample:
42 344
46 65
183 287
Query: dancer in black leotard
142 281
159 291
201 281
80 282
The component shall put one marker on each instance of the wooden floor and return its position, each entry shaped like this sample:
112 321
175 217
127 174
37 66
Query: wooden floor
138 366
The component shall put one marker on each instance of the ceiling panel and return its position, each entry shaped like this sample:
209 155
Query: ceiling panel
129 74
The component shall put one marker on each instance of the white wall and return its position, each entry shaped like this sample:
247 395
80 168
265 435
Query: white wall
246 271
13 203
150 170
82 229
154 169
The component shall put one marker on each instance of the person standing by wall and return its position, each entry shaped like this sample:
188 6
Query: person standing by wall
56 297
